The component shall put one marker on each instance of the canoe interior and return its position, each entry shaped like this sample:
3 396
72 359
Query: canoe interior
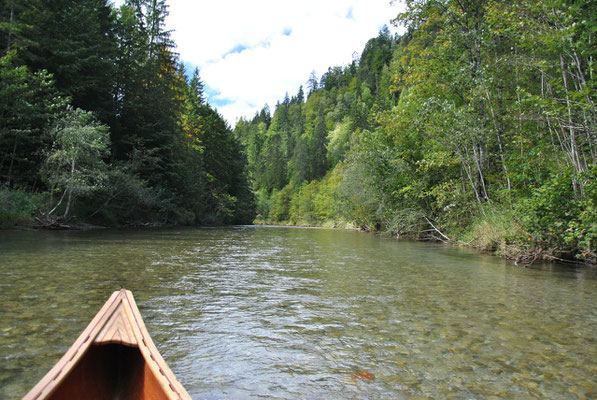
110 371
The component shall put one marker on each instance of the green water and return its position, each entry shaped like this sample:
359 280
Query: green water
287 313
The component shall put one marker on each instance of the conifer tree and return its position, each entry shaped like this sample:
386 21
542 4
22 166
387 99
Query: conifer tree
149 91
312 83
29 103
318 150
73 40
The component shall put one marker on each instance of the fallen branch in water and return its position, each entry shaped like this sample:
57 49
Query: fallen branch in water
46 221
447 239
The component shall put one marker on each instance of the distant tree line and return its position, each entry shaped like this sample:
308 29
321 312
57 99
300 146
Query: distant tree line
478 126
99 120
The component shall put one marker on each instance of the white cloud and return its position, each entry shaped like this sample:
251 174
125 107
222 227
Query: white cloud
252 52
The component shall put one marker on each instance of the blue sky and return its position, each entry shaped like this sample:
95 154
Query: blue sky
251 53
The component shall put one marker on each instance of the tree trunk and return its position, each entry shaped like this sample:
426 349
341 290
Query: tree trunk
574 153
70 190
12 18
12 160
58 204
499 139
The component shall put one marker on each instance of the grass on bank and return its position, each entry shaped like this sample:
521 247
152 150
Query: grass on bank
498 233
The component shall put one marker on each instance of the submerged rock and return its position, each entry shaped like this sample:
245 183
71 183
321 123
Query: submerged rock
363 375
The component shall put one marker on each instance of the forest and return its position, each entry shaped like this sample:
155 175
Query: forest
101 125
477 126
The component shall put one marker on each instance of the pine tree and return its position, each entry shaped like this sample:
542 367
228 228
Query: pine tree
300 162
29 103
300 97
197 87
11 26
312 83
318 148
149 92
73 40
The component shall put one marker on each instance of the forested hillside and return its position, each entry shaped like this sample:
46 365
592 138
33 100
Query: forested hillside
478 126
99 121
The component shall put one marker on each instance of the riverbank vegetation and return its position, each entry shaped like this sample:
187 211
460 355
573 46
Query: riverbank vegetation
477 126
101 124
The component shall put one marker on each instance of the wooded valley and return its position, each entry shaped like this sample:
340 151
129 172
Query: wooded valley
476 126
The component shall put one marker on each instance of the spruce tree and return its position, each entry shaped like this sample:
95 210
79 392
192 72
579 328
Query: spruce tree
318 150
73 40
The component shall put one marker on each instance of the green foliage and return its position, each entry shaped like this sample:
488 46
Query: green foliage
159 155
74 41
442 132
375 57
495 232
558 216
28 104
339 141
149 92
318 146
315 203
481 108
225 171
17 207
358 203
280 208
125 198
74 166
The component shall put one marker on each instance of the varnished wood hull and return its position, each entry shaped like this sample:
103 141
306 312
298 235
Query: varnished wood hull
114 358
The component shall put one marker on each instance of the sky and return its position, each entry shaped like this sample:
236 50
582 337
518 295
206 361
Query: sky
252 52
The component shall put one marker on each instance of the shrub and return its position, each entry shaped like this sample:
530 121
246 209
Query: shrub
561 216
17 207
494 231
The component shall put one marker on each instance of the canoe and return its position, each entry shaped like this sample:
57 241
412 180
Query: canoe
114 358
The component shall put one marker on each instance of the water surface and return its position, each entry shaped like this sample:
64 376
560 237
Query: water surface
288 313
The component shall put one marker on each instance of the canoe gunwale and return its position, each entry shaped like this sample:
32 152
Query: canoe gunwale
120 309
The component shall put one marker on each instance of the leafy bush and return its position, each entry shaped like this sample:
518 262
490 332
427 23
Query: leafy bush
562 213
17 207
280 206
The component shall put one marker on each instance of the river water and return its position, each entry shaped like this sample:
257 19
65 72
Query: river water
290 313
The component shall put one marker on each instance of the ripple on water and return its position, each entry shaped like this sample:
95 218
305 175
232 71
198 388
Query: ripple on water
286 313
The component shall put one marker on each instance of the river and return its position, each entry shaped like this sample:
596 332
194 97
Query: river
291 313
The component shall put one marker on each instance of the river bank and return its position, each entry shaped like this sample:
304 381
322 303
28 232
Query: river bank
501 237
509 242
